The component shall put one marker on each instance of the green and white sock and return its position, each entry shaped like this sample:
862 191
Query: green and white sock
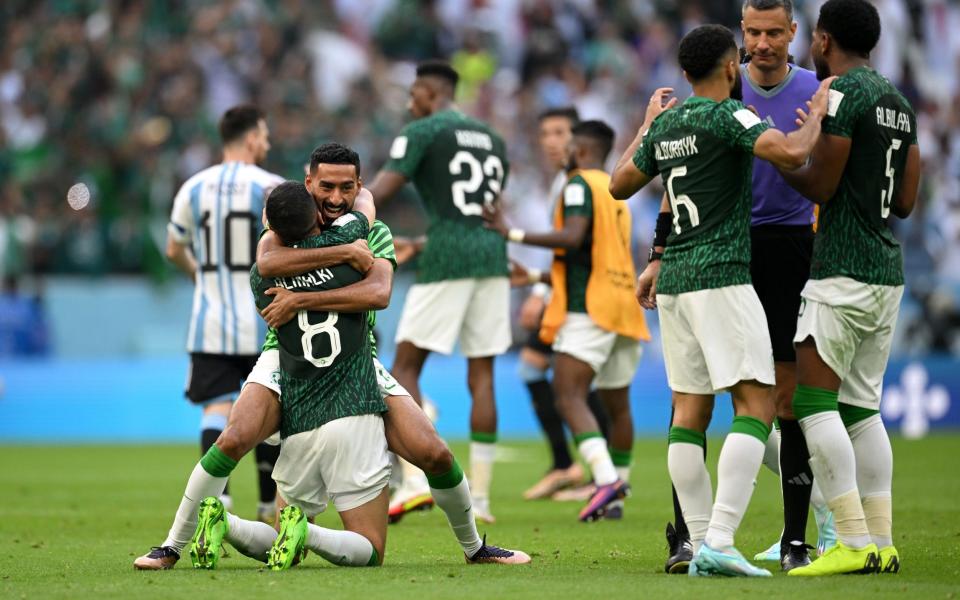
451 492
483 449
250 538
621 463
343 548
208 478
737 469
593 449
688 471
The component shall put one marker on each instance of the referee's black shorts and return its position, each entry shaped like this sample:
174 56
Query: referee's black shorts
216 377
780 266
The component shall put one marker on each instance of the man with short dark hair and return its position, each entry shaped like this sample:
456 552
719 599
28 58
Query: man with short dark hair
462 294
593 320
866 165
714 332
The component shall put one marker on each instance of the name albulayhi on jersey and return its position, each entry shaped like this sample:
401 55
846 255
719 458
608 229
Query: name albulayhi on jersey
894 119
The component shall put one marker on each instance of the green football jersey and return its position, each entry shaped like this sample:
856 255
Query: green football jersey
380 241
703 150
853 238
326 363
578 202
458 165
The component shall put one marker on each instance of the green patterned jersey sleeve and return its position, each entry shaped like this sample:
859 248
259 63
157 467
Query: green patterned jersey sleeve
577 198
380 242
409 148
270 342
643 158
739 126
844 107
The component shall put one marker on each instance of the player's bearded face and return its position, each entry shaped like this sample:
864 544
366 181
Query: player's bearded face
819 61
334 189
736 88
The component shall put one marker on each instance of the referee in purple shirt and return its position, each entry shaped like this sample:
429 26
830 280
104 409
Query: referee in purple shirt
782 244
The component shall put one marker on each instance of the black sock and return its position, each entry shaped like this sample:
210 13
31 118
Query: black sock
796 480
541 393
266 456
599 413
208 438
679 523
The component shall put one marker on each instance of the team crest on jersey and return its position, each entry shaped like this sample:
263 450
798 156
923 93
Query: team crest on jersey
834 98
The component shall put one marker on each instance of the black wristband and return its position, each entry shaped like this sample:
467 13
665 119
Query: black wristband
664 221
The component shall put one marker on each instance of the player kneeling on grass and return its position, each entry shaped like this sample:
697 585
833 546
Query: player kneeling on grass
334 447
715 335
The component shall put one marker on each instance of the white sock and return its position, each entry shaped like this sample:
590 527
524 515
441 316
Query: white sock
457 504
871 446
692 482
200 485
250 538
817 501
344 548
771 452
481 468
414 479
834 469
623 473
595 453
737 469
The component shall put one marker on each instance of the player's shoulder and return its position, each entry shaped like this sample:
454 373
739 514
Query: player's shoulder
378 228
209 174
732 109
261 176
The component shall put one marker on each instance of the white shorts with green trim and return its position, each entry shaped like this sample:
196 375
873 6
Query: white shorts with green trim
475 312
614 358
267 371
344 461
714 339
387 384
852 324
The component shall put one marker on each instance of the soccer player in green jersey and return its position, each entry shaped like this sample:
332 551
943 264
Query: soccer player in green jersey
458 165
713 328
866 165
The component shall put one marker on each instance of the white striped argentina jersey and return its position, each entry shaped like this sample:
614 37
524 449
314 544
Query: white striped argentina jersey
218 212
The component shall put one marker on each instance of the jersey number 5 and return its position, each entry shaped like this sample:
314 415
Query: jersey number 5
886 196
682 200
326 327
491 170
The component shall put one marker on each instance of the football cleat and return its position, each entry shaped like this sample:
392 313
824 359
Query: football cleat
160 558
406 501
681 551
207 541
840 560
554 481
728 563
288 548
614 511
602 498
826 529
770 554
796 555
889 560
494 554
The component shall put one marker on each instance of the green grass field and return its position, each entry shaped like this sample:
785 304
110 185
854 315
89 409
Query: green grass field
72 519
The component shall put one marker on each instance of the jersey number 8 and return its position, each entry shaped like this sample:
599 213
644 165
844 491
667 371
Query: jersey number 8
310 330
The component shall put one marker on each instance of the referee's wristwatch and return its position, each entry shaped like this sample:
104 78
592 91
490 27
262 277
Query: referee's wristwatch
653 255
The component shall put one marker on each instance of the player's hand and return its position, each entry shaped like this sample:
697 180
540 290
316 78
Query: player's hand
493 219
519 275
531 311
406 248
647 286
819 102
657 104
359 256
281 309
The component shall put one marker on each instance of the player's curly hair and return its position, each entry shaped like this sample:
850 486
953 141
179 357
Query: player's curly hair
853 24
333 153
599 132
702 50
439 68
291 211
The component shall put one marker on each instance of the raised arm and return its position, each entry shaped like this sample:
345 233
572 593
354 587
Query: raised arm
276 260
370 293
385 185
791 151
366 205
819 178
626 179
903 204
569 237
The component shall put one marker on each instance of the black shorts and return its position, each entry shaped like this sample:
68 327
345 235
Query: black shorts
537 345
215 376
780 267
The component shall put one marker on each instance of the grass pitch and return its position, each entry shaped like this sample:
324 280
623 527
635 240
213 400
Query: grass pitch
72 519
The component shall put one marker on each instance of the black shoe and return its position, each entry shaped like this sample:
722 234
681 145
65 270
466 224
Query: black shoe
681 551
794 555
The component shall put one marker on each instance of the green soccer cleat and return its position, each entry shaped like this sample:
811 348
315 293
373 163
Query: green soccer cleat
728 563
770 554
889 560
207 541
288 549
840 560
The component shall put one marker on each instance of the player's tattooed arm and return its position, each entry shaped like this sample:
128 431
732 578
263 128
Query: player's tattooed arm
904 202
370 293
276 260
571 236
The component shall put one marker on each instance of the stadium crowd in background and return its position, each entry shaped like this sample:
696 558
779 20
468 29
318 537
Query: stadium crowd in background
124 97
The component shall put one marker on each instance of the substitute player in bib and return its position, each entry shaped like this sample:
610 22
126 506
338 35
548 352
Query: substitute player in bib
462 294
593 320
715 335
212 237
865 166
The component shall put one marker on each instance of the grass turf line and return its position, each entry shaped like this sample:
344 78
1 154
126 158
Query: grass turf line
72 519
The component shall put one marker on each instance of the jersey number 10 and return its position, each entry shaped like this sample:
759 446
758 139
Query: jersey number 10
239 235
